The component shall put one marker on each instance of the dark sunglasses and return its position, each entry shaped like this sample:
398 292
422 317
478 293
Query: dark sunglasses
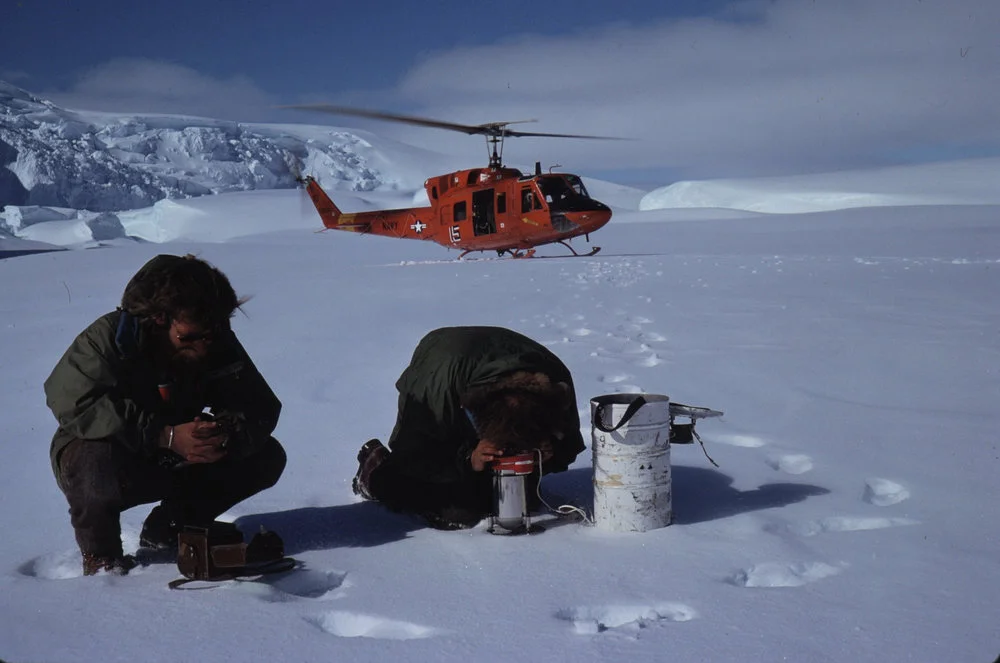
207 336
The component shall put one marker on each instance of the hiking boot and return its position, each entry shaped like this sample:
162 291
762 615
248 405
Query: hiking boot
117 565
159 531
372 454
451 518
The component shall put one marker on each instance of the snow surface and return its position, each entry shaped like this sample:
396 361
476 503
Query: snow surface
855 353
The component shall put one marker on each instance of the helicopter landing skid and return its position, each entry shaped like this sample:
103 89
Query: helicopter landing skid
580 255
514 253
530 253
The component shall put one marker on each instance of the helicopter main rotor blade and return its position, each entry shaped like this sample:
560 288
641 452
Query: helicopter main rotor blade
392 117
519 134
495 129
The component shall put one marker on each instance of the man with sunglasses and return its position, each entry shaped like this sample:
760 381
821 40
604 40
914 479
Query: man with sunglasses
158 401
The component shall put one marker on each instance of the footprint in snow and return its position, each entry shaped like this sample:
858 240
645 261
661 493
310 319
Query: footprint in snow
345 624
780 574
843 524
622 349
303 583
883 492
650 360
68 564
626 388
736 440
790 463
615 378
624 618
626 332
54 566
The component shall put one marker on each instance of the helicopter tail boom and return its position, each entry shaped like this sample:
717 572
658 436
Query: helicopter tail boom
331 215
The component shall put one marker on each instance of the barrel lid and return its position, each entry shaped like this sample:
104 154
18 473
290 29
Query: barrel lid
519 463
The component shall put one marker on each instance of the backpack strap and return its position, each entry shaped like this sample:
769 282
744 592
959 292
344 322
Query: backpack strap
241 573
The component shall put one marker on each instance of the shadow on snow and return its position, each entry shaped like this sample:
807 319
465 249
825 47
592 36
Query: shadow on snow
357 525
699 494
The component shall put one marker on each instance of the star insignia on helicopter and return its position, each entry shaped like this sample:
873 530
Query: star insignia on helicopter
418 227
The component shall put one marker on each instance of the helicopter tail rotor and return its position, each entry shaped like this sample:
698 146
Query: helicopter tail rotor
294 165
295 168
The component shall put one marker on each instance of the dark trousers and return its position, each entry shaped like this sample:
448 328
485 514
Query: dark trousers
465 502
102 478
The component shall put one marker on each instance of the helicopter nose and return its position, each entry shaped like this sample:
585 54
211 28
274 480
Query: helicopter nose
593 220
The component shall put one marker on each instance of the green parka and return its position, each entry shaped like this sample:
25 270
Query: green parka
106 387
433 436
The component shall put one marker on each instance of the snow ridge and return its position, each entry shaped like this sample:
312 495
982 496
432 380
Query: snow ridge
100 162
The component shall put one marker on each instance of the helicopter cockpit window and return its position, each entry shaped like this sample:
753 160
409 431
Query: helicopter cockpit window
577 185
555 189
565 193
460 211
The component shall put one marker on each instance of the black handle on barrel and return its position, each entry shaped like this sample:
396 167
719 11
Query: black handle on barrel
629 413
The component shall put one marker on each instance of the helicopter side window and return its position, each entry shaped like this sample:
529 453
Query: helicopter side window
527 200
501 203
460 211
566 193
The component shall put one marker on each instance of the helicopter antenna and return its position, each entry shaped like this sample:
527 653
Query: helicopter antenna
495 132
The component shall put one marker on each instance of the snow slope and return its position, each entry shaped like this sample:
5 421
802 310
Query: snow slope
852 517
104 162
967 182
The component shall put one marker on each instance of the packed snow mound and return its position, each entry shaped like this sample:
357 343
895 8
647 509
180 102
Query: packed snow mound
968 182
102 162
210 219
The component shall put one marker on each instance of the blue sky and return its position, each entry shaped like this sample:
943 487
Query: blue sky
289 48
704 88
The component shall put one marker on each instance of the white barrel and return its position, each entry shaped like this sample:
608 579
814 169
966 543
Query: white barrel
631 446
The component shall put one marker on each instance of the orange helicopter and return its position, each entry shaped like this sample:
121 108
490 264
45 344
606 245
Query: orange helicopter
480 209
